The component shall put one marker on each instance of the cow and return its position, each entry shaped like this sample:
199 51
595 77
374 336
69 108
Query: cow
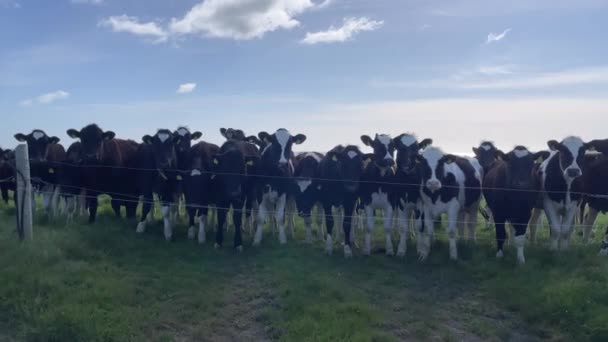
306 188
511 190
108 168
197 187
562 186
275 177
239 135
45 154
340 172
157 173
407 184
452 185
486 154
233 167
72 181
376 190
7 173
596 190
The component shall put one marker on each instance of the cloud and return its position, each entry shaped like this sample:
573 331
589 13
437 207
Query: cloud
495 70
350 28
87 2
186 88
494 37
47 98
124 23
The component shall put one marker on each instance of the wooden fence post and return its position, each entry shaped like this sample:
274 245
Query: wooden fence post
24 192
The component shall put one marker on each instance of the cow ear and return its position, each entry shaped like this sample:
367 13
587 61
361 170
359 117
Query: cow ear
449 158
553 145
223 132
265 137
147 139
109 135
298 139
72 133
476 151
367 141
542 155
252 139
500 154
54 140
21 137
368 157
425 143
196 135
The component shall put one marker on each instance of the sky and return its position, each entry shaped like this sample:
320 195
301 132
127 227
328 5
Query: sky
458 71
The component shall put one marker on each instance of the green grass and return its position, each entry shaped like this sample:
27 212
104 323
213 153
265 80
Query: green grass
104 282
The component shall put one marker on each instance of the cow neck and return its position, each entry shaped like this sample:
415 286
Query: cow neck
383 171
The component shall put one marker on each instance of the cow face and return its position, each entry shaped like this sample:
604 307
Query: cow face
74 153
37 144
306 170
520 165
6 156
486 154
232 169
432 163
279 147
163 145
233 134
92 139
571 156
384 149
347 165
408 149
183 139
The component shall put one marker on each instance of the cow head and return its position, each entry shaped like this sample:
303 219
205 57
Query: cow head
278 149
571 156
520 165
6 156
346 164
37 144
384 149
232 169
92 139
408 149
184 138
74 152
432 162
306 170
486 154
600 146
163 145
233 134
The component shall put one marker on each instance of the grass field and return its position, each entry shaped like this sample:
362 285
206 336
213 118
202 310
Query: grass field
103 282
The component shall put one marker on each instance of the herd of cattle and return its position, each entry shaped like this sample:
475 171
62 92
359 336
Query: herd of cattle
410 181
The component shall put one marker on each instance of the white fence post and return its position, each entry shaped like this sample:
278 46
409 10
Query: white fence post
24 192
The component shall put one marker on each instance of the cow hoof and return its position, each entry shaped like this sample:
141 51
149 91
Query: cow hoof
401 253
141 227
603 252
256 243
217 246
521 261
348 253
239 249
191 233
500 254
422 255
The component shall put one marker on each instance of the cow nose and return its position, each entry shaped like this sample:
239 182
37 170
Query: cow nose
433 184
573 173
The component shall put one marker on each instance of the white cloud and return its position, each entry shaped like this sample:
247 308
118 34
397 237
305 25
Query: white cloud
186 88
87 2
495 37
493 70
124 23
47 98
347 31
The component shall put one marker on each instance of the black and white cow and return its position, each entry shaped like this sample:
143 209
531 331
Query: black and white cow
595 187
234 168
511 190
307 187
376 190
108 168
158 174
275 179
451 185
7 173
408 178
46 155
486 154
340 172
561 180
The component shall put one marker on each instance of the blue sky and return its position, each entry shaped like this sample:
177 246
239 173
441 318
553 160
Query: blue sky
516 72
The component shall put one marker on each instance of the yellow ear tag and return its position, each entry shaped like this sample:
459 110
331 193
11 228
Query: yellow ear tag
179 177
334 158
51 171
250 163
215 161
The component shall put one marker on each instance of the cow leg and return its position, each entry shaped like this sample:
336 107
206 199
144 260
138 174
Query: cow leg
167 227
280 217
262 215
191 218
519 240
534 223
47 199
339 221
403 222
211 218
70 209
588 224
290 214
82 203
116 206
349 207
501 235
238 229
567 227
4 190
423 241
93 203
453 215
555 224
388 229
145 210
202 219
369 212
329 222
54 206
222 211
604 245
307 216
461 225
319 221
472 220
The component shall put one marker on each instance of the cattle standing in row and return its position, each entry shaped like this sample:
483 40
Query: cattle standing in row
407 184
158 174
108 168
234 168
46 155
276 172
511 190
340 173
451 185
7 174
307 188
376 190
